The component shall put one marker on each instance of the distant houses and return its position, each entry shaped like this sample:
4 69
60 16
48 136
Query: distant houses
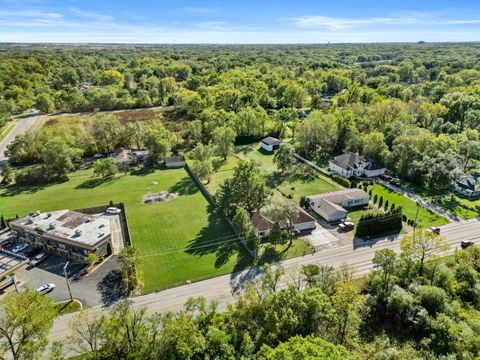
270 144
468 185
353 164
332 206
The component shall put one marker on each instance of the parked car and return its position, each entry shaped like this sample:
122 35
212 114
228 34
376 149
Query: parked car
44 289
435 229
395 182
466 243
38 258
19 247
385 177
98 156
6 244
113 211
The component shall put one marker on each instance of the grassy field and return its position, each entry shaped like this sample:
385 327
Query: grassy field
177 241
426 218
223 170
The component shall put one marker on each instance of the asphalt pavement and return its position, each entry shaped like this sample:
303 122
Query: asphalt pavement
223 289
21 127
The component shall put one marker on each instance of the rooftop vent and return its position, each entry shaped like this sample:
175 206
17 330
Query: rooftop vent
51 226
101 235
78 232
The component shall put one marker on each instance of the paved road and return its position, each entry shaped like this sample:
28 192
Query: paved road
223 288
21 127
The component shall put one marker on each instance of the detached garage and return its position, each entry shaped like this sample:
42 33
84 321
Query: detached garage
175 161
270 144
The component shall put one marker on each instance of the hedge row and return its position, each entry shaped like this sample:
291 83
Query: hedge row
376 224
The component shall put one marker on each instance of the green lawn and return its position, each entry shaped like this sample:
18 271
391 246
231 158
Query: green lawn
68 307
426 218
457 206
223 170
254 152
303 181
177 241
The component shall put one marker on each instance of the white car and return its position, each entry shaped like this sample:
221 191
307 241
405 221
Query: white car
113 211
45 288
19 247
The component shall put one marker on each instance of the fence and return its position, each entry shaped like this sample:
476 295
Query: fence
211 200
308 162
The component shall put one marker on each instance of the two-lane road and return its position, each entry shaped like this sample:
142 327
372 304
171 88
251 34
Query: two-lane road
223 288
21 126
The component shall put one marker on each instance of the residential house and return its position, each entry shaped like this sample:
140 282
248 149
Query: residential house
332 206
468 185
353 164
71 234
270 144
175 161
303 222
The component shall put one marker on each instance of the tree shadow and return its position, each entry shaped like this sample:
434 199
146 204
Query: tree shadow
185 186
145 170
272 254
264 152
94 182
112 288
217 163
217 238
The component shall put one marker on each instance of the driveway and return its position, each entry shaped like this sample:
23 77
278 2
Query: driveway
321 238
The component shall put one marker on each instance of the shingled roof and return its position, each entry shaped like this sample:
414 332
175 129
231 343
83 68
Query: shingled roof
271 141
349 161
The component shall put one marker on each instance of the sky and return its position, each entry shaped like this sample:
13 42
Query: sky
238 22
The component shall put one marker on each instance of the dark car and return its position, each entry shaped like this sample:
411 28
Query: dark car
385 177
435 229
466 243
395 182
6 244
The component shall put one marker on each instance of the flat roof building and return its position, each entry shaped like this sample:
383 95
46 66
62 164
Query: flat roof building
65 232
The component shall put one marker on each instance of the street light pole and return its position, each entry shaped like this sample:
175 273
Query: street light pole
14 280
66 279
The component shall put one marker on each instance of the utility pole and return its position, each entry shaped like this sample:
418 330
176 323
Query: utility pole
14 280
416 216
66 279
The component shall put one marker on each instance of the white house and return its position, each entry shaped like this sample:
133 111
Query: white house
175 161
468 185
270 144
353 164
332 206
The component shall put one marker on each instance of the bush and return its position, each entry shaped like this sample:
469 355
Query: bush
433 299
342 181
304 202
380 201
376 224
386 204
375 198
32 175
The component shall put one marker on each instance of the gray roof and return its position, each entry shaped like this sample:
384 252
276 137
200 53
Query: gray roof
174 159
329 207
72 226
349 161
271 141
468 182
337 197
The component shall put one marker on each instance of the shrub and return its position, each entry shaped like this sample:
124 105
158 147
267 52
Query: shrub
32 175
370 192
392 206
375 198
386 204
380 201
433 299
342 181
376 224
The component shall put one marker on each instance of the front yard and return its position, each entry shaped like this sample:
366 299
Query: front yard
426 218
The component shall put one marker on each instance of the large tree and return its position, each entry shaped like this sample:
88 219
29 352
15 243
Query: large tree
25 322
284 157
284 212
422 245
223 139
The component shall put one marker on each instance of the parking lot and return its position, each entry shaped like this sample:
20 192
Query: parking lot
101 287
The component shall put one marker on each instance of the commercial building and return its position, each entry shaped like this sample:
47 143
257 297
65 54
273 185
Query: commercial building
67 233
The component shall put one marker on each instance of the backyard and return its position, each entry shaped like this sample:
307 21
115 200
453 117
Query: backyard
299 181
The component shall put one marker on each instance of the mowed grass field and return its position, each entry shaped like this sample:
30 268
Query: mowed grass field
426 218
177 241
